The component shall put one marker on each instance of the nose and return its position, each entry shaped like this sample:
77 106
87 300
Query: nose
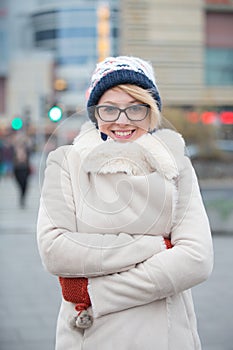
122 118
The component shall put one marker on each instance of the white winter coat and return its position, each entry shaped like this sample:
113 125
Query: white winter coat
105 208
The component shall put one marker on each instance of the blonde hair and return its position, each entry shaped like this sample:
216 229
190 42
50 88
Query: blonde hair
143 96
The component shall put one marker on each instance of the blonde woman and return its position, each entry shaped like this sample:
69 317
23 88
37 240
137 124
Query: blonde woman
122 222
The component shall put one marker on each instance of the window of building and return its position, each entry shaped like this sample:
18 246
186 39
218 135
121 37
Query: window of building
219 64
219 48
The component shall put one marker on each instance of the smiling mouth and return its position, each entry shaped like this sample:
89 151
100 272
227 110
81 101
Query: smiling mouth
123 134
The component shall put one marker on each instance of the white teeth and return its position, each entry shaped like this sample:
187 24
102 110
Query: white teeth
123 133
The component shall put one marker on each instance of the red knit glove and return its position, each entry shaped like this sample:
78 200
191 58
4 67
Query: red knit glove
75 291
168 243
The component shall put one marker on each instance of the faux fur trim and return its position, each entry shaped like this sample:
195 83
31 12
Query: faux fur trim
149 153
157 144
87 140
129 158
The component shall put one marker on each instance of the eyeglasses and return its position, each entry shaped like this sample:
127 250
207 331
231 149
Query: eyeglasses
134 113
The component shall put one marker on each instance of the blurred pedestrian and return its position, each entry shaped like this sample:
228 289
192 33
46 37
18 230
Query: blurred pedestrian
7 156
22 167
122 222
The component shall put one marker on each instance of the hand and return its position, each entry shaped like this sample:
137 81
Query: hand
75 291
168 243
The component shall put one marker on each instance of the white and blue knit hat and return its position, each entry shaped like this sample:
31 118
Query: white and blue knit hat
121 70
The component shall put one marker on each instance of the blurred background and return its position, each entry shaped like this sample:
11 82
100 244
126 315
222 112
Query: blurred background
48 49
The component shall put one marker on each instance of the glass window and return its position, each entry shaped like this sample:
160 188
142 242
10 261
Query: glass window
46 35
219 66
219 48
78 32
66 33
75 60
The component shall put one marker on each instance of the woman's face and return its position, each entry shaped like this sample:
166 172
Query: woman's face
122 130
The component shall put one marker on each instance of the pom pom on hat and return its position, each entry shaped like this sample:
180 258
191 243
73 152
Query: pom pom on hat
114 71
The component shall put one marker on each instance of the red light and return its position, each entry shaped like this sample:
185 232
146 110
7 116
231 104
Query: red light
226 117
193 117
208 117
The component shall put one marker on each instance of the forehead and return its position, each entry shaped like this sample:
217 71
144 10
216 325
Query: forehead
116 95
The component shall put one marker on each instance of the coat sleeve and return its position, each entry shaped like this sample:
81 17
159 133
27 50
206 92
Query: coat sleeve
67 252
169 272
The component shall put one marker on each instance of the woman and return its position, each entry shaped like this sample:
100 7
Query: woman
112 204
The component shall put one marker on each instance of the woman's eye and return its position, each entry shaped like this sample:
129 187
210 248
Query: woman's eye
135 108
109 109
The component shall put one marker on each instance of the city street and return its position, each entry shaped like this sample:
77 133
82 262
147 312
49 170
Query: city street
29 296
158 73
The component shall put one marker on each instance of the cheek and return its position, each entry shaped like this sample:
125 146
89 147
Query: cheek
143 127
141 131
104 127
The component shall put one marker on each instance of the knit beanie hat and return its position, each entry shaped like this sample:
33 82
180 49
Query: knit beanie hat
121 70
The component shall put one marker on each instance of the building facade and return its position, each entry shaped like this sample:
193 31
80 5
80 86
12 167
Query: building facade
190 44
75 34
72 32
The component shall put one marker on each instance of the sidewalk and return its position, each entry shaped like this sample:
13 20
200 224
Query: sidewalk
218 199
29 296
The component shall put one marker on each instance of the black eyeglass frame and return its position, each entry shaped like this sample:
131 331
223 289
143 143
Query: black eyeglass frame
121 110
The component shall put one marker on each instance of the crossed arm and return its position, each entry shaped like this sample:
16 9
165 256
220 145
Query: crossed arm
147 271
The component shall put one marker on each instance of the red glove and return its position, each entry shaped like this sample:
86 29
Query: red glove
75 291
168 243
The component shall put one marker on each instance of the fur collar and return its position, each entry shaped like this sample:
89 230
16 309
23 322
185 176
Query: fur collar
149 153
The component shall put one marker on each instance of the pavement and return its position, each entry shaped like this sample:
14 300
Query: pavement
218 199
30 297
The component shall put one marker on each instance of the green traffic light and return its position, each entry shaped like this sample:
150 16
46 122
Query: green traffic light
55 113
17 123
